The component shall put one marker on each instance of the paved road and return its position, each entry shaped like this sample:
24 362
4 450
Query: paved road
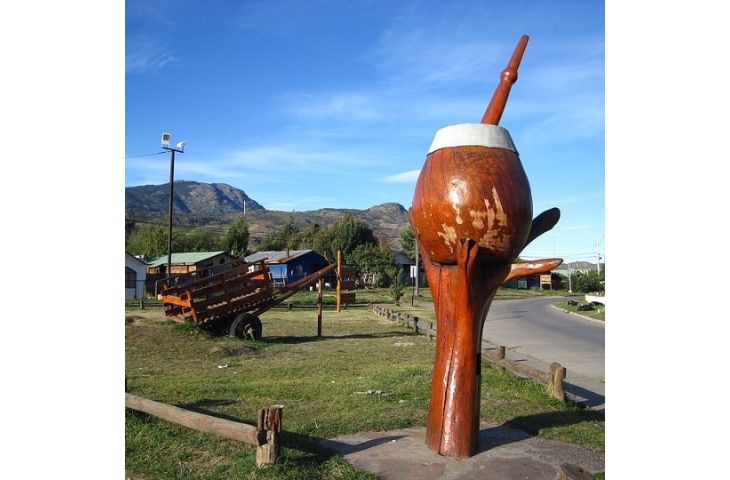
538 334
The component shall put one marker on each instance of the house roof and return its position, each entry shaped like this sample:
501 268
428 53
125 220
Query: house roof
402 258
185 258
142 262
276 257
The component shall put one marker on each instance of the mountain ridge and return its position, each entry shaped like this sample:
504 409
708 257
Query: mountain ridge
216 205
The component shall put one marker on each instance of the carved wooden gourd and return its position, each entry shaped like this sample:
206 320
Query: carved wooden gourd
472 214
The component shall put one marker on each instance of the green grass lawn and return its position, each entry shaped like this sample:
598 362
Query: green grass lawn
322 383
374 295
598 314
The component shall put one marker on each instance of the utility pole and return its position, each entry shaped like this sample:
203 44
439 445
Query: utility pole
418 270
570 283
598 257
178 148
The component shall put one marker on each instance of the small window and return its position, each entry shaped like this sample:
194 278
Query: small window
130 278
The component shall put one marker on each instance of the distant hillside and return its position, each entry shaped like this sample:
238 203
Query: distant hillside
200 202
386 220
579 265
216 205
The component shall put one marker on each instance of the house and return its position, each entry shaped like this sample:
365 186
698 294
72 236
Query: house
288 266
404 264
135 274
189 264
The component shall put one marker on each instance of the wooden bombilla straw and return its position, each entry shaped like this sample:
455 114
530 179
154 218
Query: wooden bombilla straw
507 78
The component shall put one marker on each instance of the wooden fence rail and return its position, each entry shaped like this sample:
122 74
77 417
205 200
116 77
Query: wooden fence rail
554 379
265 436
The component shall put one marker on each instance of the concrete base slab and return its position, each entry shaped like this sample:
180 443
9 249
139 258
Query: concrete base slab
504 454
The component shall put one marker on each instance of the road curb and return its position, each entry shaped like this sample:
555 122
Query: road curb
603 322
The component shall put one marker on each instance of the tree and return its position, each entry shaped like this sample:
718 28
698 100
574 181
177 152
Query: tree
370 258
235 241
128 229
408 241
310 237
587 282
396 288
281 238
346 234
197 240
148 240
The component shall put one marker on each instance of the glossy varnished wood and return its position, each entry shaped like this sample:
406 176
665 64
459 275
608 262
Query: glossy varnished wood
508 77
472 192
472 215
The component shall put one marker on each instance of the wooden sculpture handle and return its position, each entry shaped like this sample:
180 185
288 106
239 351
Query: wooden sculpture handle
507 78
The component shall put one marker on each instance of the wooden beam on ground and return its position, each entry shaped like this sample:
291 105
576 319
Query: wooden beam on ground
196 421
528 371
265 435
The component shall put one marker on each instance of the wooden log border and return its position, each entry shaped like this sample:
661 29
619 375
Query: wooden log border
265 436
554 379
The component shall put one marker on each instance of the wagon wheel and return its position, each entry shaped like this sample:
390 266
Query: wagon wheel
246 325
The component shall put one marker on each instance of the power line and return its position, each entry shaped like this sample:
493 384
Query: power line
146 155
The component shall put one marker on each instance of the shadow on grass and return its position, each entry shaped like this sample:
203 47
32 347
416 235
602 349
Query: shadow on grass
313 338
316 450
585 398
528 426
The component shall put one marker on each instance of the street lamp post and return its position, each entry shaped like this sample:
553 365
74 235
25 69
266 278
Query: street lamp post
178 148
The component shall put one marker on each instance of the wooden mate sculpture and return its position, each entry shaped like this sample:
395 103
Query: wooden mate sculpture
472 215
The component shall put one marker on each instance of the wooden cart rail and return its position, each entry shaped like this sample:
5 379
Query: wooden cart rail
220 297
213 279
209 299
282 293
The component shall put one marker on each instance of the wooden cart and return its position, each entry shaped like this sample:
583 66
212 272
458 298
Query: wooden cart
231 302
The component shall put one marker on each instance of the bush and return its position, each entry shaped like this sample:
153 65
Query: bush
587 282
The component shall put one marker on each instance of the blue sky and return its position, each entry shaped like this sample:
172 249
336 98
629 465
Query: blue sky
307 105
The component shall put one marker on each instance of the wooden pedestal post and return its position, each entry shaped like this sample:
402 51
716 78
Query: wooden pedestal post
462 294
472 216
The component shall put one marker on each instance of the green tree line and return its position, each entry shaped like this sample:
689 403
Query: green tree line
151 240
355 239
582 282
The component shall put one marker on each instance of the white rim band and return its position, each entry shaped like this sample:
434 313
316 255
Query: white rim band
477 134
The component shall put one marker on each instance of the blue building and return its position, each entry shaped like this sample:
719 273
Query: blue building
290 265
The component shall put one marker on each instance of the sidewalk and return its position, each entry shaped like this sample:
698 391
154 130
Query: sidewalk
504 454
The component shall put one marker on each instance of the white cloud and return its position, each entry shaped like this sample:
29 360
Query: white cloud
346 105
404 177
297 158
147 54
288 203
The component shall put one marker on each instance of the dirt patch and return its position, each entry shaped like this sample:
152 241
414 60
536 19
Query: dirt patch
128 319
